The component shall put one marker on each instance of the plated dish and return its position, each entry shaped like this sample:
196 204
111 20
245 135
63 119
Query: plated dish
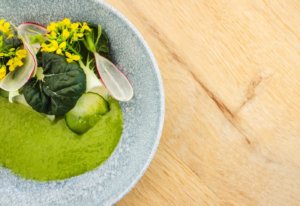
141 118
58 78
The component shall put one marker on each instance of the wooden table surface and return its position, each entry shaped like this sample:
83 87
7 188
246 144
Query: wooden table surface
231 71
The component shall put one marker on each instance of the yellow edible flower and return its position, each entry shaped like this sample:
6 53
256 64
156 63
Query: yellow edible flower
61 47
16 61
61 36
72 57
53 46
52 35
52 26
5 28
66 22
74 26
85 27
21 53
2 72
76 36
13 63
65 34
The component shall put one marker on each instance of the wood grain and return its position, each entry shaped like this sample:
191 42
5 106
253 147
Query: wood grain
231 73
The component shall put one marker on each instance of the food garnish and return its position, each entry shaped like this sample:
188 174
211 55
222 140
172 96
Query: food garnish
57 67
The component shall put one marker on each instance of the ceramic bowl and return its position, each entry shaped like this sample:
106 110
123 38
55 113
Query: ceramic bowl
143 115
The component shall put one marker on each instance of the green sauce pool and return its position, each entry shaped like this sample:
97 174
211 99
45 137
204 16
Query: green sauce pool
35 148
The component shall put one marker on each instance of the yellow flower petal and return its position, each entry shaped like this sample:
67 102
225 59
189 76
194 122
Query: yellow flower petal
66 22
80 34
52 26
21 53
52 35
51 49
65 34
72 57
2 72
5 28
74 38
54 43
53 46
18 62
10 62
59 51
68 54
63 45
85 27
74 26
76 57
69 60
12 68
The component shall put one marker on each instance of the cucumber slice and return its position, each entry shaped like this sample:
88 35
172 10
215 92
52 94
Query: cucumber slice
86 113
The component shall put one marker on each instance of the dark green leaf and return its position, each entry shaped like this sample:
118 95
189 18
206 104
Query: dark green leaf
60 89
100 40
102 44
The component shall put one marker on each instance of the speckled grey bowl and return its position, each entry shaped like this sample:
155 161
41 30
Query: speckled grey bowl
143 115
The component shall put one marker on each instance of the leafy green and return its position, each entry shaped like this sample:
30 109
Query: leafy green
39 38
97 41
8 47
56 90
13 42
102 44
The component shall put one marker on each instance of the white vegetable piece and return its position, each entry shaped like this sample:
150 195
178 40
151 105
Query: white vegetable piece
16 79
113 79
27 29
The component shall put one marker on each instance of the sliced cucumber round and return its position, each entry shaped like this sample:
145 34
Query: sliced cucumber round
86 113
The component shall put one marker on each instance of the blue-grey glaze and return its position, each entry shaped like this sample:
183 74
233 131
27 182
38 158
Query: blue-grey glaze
143 115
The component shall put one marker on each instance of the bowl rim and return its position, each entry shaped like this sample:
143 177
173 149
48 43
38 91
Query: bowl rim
139 36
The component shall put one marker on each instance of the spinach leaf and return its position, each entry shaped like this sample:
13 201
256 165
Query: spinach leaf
60 87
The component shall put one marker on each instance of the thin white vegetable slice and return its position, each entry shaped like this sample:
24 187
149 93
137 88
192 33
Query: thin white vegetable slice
27 29
20 99
16 79
92 80
113 79
12 95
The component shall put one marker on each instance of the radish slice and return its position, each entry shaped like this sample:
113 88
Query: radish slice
113 79
27 29
16 79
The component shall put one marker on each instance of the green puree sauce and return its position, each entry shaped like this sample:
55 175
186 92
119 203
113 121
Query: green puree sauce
35 148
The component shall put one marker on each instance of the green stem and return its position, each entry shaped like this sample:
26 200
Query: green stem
90 43
72 49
